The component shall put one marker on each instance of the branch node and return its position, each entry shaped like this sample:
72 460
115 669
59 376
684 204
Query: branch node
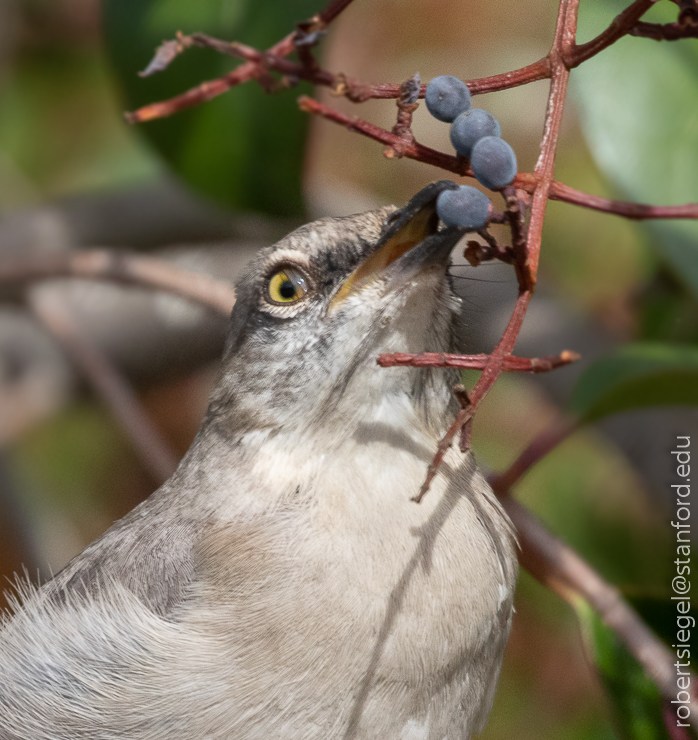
406 105
353 90
688 13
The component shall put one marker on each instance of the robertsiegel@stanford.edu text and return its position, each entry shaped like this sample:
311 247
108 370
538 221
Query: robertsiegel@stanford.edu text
681 582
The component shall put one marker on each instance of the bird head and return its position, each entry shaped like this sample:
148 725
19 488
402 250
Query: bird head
316 309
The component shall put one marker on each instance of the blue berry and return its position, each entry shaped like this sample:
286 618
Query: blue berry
470 126
466 208
447 97
493 162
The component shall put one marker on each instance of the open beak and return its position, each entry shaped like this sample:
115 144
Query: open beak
411 241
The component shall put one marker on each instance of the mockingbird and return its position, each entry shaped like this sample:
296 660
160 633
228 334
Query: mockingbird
282 584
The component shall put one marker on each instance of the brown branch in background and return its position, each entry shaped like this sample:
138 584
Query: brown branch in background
545 166
544 443
664 31
621 25
108 383
559 568
510 364
104 264
540 70
535 72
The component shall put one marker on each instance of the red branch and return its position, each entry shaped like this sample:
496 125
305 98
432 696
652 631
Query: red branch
636 211
208 90
259 63
510 364
621 25
565 32
411 150
665 31
524 180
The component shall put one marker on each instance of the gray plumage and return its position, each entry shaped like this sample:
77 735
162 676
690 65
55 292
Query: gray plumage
282 584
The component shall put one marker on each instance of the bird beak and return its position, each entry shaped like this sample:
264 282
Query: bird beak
415 224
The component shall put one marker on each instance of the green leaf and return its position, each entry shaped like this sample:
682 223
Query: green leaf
635 698
637 376
245 148
637 102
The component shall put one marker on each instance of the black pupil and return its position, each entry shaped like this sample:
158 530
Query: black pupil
287 289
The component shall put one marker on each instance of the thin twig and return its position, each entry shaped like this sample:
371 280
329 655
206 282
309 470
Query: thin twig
464 415
258 63
524 181
510 364
635 211
411 150
108 383
548 440
104 264
208 90
621 25
664 31
558 567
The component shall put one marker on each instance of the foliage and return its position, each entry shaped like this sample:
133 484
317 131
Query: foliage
638 116
637 376
244 149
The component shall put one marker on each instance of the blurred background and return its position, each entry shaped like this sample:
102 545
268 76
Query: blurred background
208 187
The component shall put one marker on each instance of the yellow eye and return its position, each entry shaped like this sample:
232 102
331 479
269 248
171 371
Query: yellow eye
286 286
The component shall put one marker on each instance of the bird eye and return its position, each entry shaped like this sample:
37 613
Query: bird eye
286 286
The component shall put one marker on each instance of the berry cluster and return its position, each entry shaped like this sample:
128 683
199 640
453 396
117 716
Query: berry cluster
476 135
